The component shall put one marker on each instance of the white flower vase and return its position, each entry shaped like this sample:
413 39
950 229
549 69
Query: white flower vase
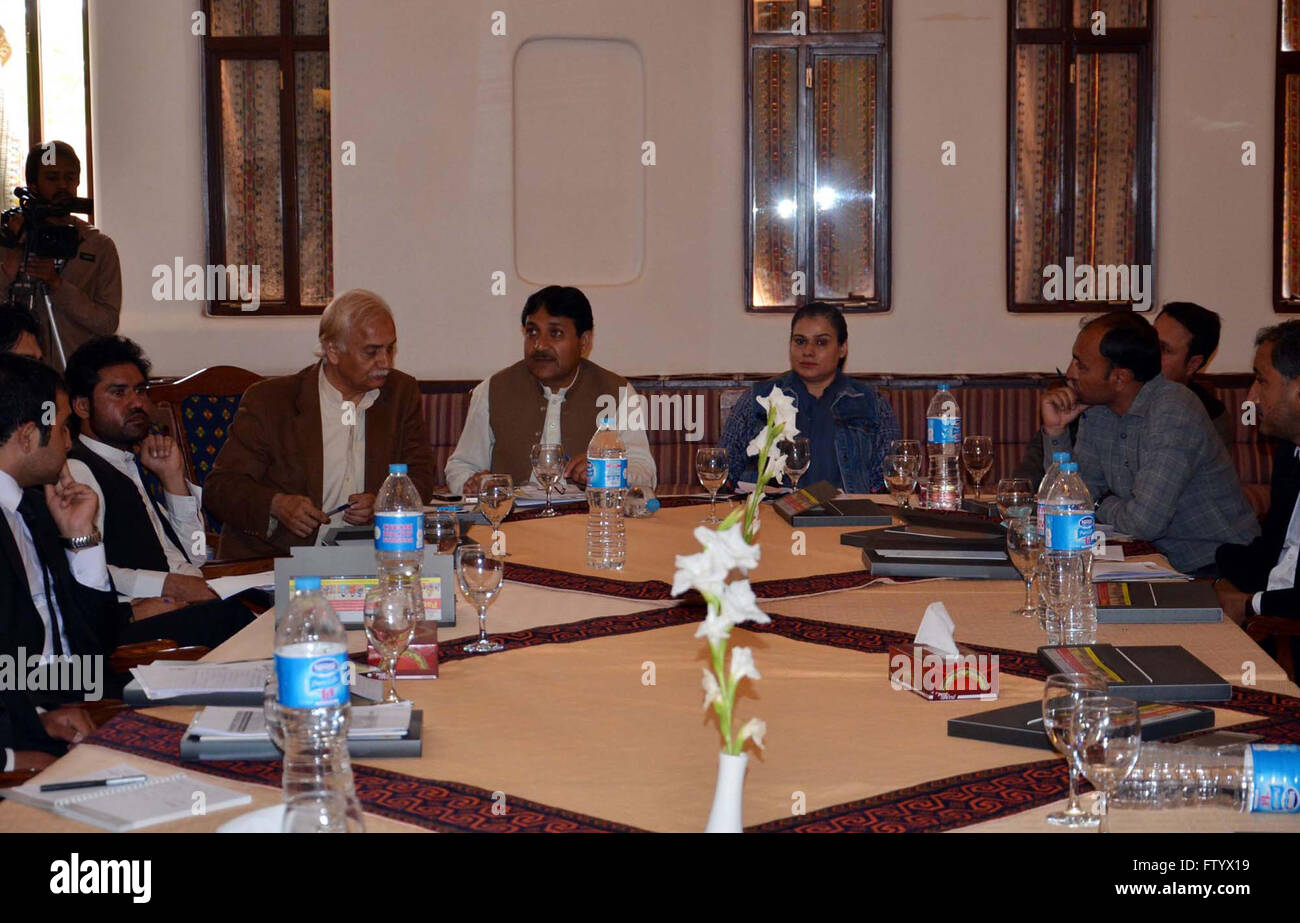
729 795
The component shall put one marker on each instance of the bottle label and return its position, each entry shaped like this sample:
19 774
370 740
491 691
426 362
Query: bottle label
1276 788
1069 531
399 531
943 430
606 473
312 682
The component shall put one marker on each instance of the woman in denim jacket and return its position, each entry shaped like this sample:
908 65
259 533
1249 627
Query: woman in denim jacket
849 424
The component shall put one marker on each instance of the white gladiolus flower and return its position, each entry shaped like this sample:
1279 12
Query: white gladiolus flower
740 605
712 691
756 444
776 464
742 664
704 571
714 627
754 729
785 411
729 548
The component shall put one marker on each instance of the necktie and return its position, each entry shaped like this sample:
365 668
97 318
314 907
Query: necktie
157 508
27 509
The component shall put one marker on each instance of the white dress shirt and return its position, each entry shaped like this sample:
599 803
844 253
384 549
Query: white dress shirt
343 441
182 514
87 566
1282 576
474 450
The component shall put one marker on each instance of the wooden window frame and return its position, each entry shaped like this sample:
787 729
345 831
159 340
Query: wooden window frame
282 47
1140 41
809 47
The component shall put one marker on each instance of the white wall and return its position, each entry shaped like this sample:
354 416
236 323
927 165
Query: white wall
425 216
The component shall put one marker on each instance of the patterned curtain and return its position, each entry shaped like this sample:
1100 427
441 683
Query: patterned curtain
845 15
315 232
1105 159
1037 216
776 147
1291 191
1120 14
845 190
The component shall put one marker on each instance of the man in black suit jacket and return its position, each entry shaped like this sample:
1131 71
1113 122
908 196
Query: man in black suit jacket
1260 578
29 740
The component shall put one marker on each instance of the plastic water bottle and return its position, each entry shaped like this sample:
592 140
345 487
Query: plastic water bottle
1255 778
606 486
1045 485
1071 616
399 528
943 423
308 712
640 503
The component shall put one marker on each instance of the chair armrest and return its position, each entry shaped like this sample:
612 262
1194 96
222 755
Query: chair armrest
17 777
1259 627
237 567
143 652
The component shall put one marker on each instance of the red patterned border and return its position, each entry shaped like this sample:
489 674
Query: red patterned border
658 589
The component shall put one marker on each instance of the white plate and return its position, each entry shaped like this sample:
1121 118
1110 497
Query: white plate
263 820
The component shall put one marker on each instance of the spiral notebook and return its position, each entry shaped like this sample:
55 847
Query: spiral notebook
158 800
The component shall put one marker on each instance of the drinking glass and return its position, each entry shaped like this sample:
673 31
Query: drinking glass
1069 612
909 447
1062 694
442 529
479 576
1025 543
496 495
798 456
1015 498
391 614
900 475
977 453
1107 732
711 468
548 468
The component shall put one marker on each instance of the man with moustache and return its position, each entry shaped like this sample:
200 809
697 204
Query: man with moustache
154 549
551 396
1152 461
313 448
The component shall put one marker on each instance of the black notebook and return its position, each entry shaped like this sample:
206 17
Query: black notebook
196 749
1157 601
1022 725
933 551
817 506
1148 673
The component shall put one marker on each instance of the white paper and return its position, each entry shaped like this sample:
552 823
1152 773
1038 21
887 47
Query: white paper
1112 535
1108 572
226 587
1114 554
936 629
162 679
368 722
32 794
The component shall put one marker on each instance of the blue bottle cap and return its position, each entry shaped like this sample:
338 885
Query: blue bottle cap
1059 457
1069 467
652 504
397 469
305 583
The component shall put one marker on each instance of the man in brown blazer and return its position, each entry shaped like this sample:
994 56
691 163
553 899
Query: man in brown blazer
304 446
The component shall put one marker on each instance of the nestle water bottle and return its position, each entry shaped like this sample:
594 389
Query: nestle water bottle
943 423
399 528
1258 778
1071 616
606 485
308 711
640 503
1045 485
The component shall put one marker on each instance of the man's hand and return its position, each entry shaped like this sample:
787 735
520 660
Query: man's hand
142 609
1060 407
162 456
70 724
298 514
470 489
32 759
72 506
1234 603
46 272
361 511
187 588
575 472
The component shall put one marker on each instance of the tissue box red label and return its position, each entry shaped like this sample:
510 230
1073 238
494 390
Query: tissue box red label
943 678
420 660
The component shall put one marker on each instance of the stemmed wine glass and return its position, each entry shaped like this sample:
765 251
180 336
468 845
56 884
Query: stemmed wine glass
977 453
1025 544
711 468
442 529
1062 694
548 468
479 576
901 472
391 615
1015 498
496 495
1107 740
798 456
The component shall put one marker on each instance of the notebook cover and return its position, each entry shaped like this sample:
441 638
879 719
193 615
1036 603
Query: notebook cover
134 695
1147 673
1157 601
839 513
1012 723
219 748
920 566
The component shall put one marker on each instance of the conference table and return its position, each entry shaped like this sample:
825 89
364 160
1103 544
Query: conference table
591 718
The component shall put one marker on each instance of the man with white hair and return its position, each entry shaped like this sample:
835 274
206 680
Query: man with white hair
313 448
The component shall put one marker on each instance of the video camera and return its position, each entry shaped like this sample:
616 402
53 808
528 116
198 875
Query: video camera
38 236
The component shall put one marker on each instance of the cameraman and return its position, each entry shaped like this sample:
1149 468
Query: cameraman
86 293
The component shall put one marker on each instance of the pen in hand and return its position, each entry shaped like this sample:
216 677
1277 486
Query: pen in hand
338 509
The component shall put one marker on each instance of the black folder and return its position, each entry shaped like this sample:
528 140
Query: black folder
1157 601
817 505
134 695
1147 673
194 749
930 551
1022 725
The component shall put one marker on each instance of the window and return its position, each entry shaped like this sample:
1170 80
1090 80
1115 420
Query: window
266 83
1081 152
44 88
1286 244
817 176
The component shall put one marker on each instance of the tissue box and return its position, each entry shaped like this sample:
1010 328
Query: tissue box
420 660
943 678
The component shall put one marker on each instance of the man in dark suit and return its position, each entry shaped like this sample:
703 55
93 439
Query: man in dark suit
303 446
1260 578
32 740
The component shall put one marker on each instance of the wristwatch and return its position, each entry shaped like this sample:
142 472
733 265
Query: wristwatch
81 542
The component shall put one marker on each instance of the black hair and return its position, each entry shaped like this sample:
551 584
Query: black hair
62 151
1285 338
560 301
1202 323
831 314
14 322
97 354
1129 342
31 389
